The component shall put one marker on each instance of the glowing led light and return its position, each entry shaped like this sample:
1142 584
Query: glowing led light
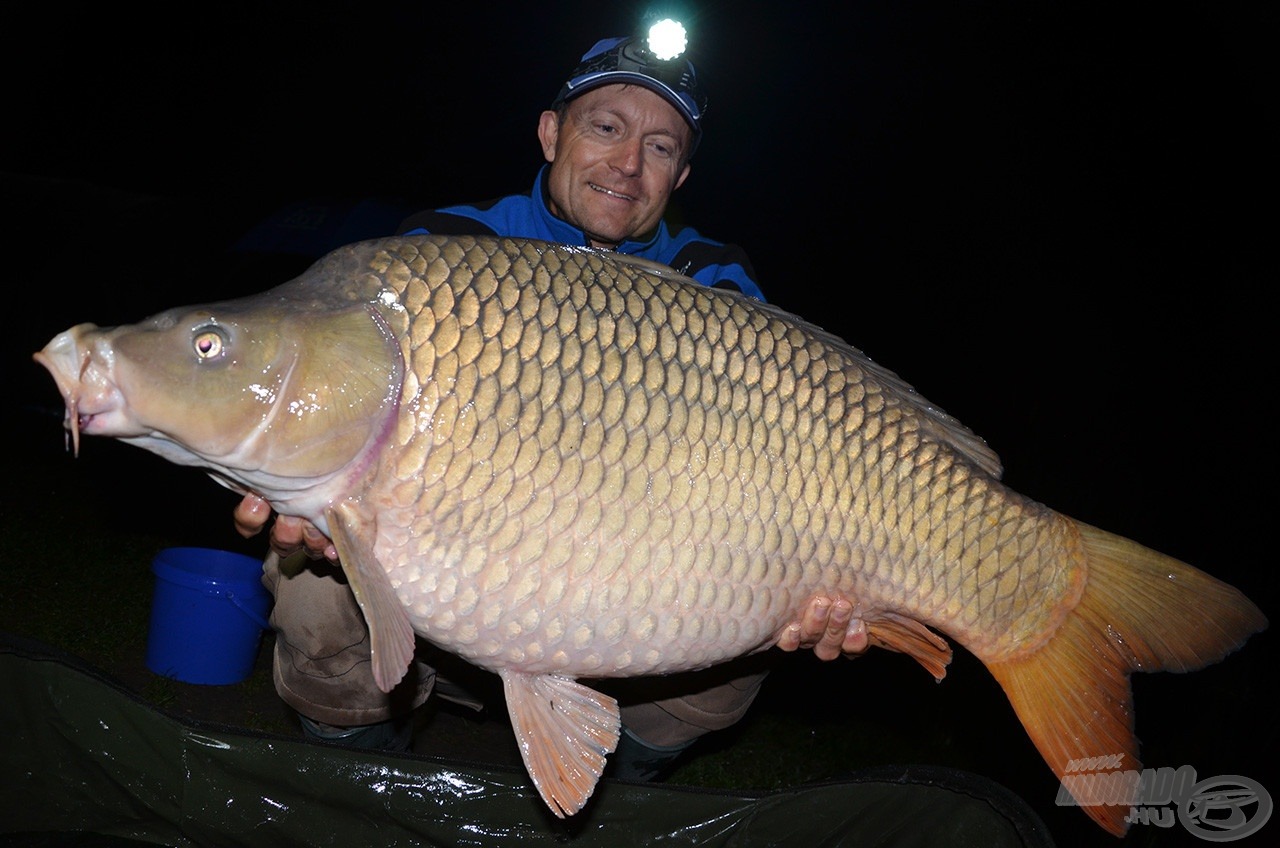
667 39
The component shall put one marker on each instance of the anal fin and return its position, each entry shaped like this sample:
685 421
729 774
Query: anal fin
906 635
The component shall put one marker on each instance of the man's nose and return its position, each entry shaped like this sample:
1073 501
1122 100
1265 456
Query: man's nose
628 157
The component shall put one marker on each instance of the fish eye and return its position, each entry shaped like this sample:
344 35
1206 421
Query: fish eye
208 343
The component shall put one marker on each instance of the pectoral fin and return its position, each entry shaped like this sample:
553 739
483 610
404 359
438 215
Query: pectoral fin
390 633
564 730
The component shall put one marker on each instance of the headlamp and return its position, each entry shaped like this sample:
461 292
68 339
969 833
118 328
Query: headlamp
667 40
654 62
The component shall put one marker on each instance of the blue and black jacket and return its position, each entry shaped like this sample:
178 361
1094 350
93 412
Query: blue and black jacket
710 262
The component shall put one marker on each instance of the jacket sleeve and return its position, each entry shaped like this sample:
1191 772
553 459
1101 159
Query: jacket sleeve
443 223
722 266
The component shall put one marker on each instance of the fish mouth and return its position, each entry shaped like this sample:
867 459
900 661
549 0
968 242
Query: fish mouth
610 192
89 422
91 398
57 361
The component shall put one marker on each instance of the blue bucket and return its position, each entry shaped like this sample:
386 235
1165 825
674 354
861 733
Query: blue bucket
207 615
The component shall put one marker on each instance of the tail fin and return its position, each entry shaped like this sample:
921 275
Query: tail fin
1140 611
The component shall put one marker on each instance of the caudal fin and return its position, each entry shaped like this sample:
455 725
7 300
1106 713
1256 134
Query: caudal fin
1140 611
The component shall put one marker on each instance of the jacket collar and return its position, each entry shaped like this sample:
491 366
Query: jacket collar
566 233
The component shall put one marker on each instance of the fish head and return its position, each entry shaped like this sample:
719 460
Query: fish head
282 396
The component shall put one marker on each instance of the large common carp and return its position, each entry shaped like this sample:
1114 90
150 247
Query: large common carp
562 464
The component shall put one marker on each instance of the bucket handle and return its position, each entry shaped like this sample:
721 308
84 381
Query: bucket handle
253 616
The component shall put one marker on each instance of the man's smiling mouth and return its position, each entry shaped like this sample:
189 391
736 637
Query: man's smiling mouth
611 193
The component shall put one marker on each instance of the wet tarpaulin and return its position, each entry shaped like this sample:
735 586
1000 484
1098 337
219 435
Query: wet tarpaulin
85 758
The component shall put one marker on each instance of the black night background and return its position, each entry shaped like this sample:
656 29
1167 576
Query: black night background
1056 220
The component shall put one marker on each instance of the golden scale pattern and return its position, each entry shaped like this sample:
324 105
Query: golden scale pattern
707 463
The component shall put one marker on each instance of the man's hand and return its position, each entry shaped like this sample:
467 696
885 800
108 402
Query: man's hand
289 534
829 627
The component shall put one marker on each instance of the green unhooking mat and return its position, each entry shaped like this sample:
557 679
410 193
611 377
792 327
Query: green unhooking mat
87 764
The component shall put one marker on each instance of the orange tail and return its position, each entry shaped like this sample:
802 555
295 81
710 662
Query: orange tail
1140 611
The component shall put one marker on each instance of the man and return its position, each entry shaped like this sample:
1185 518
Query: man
617 139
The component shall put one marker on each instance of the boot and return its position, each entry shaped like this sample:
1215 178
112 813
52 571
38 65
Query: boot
393 736
635 759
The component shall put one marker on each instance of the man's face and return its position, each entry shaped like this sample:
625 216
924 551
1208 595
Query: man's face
614 161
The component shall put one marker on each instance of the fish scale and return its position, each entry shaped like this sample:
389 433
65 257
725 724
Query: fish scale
619 344
720 344
564 464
